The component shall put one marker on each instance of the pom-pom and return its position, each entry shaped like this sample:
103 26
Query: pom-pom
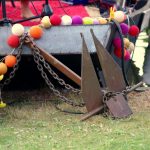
102 20
95 21
125 28
1 77
118 52
17 29
119 16
117 42
134 30
55 20
87 21
3 68
131 47
126 42
127 56
76 20
36 32
66 20
10 60
46 22
13 41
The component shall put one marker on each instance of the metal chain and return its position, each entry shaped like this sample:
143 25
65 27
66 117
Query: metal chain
51 86
16 66
47 66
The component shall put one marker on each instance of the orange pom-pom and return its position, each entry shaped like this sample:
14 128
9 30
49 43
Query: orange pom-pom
36 32
10 60
3 68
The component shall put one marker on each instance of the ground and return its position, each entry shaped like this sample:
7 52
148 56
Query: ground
32 123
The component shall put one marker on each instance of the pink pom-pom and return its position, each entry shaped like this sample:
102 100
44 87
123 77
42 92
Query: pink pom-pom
127 56
125 28
117 42
76 20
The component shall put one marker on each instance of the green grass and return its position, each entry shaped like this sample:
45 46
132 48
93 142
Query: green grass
39 126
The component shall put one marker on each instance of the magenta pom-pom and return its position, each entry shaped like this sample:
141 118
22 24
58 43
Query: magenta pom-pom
13 41
55 20
76 20
125 28
134 30
117 42
127 56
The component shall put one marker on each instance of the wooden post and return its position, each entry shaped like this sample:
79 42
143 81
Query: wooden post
60 66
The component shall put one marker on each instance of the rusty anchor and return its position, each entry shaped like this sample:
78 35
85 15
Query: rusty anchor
112 97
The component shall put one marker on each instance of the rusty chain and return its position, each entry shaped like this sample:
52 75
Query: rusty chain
47 66
16 66
38 58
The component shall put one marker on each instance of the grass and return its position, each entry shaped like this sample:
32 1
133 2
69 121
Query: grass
39 126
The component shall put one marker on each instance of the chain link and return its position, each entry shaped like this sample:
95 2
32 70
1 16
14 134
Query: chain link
47 66
50 85
39 58
16 66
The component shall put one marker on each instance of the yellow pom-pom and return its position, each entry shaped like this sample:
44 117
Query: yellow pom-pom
46 22
17 29
87 20
1 77
126 42
2 104
119 16
102 20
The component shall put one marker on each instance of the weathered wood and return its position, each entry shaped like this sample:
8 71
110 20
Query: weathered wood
60 66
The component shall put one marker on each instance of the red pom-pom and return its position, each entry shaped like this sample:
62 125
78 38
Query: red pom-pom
55 20
118 52
13 41
134 30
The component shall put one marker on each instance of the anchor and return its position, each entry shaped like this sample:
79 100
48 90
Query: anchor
112 97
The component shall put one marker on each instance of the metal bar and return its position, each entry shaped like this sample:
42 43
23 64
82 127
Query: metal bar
92 113
60 66
134 87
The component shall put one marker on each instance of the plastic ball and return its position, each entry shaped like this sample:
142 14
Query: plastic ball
17 29
46 22
87 21
119 16
125 28
127 56
102 20
118 52
66 20
10 60
1 77
134 30
117 42
36 32
126 42
131 47
3 68
13 41
55 20
76 20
